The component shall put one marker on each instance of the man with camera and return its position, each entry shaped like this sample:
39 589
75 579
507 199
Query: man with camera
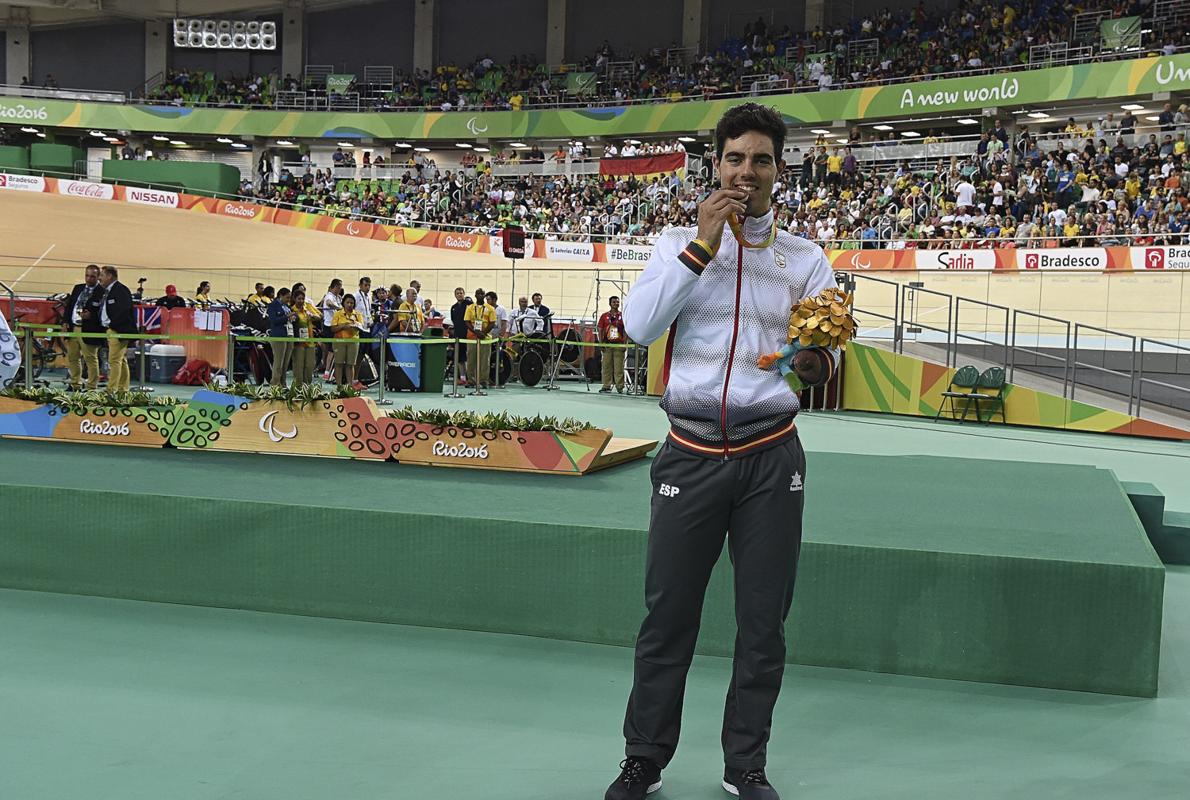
111 311
76 352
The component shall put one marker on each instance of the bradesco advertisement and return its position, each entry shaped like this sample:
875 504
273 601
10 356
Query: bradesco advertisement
1160 257
1049 259
22 183
1068 258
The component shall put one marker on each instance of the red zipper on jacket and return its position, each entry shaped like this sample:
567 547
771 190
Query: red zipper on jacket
735 332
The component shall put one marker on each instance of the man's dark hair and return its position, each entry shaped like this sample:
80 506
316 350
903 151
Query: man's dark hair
283 292
491 296
336 283
364 280
268 291
750 117
614 297
115 273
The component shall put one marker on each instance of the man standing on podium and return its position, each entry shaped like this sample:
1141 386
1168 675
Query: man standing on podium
732 466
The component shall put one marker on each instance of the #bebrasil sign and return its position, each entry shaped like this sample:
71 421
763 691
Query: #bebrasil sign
1124 78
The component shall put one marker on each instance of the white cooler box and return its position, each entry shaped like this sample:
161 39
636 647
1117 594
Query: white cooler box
164 362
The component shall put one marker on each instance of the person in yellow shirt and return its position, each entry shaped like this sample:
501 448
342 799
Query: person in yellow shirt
345 327
409 317
834 168
1132 187
1179 147
303 325
257 297
1071 231
202 294
516 101
480 319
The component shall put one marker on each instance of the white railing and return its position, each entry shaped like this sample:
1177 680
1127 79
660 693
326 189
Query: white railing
548 167
41 92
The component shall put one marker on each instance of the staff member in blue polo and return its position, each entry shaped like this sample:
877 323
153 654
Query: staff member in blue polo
281 318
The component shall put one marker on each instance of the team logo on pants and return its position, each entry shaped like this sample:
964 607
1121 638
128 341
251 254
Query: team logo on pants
668 491
795 483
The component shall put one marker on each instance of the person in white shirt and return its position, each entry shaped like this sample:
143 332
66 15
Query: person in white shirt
964 193
331 302
363 300
501 314
525 320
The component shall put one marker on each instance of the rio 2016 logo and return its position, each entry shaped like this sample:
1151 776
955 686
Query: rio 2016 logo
104 428
22 111
441 448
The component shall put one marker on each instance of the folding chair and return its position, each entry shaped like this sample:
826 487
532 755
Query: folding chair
990 389
962 384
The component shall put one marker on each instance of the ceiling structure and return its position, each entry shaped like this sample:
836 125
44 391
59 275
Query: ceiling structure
54 13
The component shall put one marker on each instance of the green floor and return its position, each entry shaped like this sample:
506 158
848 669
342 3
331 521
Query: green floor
116 699
1163 463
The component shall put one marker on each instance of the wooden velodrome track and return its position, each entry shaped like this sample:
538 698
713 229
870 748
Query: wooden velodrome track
47 239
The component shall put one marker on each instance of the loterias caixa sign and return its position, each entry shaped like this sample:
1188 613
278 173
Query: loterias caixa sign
1125 78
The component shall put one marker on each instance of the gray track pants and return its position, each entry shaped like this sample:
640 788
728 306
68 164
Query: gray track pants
758 499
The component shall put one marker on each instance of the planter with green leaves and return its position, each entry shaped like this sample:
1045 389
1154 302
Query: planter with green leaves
478 441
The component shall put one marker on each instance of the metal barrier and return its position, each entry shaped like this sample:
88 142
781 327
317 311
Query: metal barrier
1012 350
848 281
1076 364
1125 372
12 300
1141 380
908 297
958 332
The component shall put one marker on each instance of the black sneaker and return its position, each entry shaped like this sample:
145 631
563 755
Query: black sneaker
605 390
638 777
749 784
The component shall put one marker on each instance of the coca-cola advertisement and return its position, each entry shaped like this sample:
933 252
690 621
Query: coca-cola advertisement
95 191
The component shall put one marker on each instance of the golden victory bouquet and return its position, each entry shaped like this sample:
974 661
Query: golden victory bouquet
824 320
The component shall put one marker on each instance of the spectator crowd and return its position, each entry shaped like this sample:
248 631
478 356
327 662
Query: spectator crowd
1101 181
890 46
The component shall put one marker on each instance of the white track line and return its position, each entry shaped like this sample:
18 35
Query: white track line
34 264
